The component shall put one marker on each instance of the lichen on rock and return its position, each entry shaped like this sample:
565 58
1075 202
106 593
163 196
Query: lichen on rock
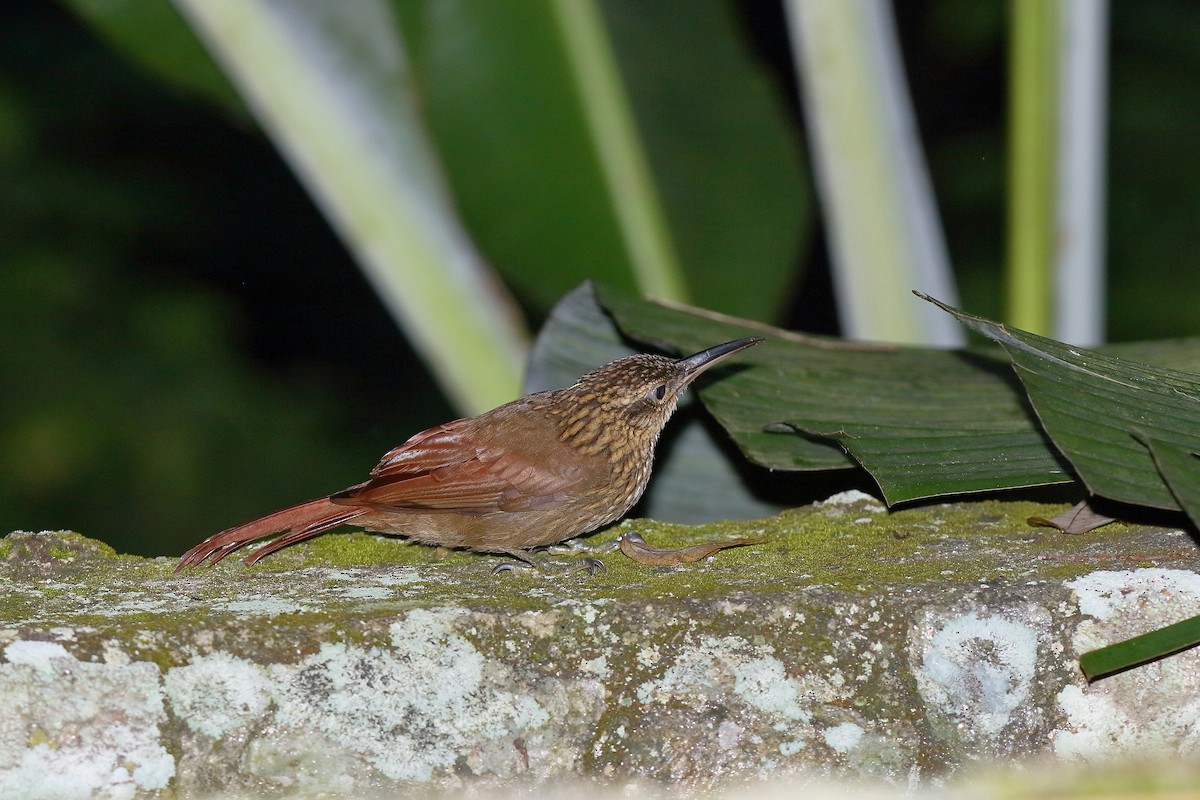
856 642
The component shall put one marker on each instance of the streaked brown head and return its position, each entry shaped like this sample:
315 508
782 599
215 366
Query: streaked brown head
643 390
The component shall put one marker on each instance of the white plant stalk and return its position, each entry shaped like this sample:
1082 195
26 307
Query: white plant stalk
1082 122
330 84
881 217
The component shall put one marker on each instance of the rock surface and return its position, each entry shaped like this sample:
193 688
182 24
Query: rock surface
856 643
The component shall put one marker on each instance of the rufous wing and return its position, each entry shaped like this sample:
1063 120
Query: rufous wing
482 481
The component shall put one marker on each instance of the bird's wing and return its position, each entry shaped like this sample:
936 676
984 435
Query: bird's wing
447 468
439 446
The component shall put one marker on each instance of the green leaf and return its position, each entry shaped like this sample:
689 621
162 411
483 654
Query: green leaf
513 139
924 422
511 127
153 33
1140 650
1177 354
695 479
1095 407
728 160
1180 468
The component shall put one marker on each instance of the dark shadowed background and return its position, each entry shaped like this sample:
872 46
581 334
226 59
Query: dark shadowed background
185 344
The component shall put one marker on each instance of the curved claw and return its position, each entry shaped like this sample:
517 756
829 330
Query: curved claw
594 566
504 566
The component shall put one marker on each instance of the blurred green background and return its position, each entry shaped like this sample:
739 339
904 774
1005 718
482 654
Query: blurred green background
186 344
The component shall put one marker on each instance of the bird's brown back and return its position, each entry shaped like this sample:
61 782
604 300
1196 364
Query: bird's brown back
535 471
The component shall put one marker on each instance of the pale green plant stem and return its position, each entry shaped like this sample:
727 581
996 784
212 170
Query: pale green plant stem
1032 165
626 169
329 82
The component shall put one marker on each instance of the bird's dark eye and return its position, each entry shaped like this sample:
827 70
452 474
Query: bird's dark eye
660 392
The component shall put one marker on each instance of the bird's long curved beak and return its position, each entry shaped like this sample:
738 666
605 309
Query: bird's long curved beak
694 365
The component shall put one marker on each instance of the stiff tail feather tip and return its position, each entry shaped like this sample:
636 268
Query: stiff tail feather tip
295 523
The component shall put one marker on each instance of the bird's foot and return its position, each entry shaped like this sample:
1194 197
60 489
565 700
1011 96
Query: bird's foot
523 561
594 566
510 566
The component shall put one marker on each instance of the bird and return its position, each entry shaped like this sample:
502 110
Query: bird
533 472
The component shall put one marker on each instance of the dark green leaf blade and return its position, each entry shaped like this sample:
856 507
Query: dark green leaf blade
510 127
1140 649
722 150
1095 407
496 89
923 422
1180 468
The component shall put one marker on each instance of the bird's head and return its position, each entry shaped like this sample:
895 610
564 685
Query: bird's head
643 390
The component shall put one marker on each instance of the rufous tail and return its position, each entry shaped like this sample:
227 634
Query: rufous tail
295 523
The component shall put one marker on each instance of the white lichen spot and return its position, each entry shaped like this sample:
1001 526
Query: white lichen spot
401 577
306 764
63 634
37 654
763 684
705 673
791 747
597 666
367 593
259 606
131 602
977 670
410 709
218 693
1102 726
1147 712
79 729
695 676
729 733
1104 593
335 575
647 655
113 654
843 738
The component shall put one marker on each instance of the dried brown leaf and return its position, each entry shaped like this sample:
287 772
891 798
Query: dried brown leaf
1079 518
634 546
